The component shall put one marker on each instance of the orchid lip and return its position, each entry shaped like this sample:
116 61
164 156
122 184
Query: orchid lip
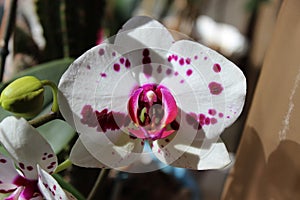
152 108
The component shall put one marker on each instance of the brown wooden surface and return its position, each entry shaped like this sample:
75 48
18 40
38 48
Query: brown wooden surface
268 160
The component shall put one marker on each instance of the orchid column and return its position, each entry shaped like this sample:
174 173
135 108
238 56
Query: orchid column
147 88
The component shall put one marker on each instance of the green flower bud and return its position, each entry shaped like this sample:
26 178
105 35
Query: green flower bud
24 97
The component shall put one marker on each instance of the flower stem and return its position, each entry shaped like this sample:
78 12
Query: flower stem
53 86
44 119
62 166
102 175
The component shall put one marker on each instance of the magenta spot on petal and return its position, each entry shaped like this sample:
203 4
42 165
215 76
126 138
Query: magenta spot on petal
215 88
212 112
159 69
50 167
29 168
170 58
228 117
88 116
181 81
45 153
217 68
22 166
176 73
113 53
147 69
189 72
103 75
122 60
54 187
202 117
3 160
221 115
188 61
50 156
205 57
88 67
116 67
103 120
101 52
196 57
146 52
146 60
213 120
181 61
142 143
44 158
168 71
175 57
127 63
207 121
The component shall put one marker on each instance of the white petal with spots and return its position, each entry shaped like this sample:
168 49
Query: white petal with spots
26 146
8 173
216 86
49 187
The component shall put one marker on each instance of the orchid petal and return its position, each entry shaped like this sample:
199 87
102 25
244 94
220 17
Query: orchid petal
200 155
188 147
49 187
216 86
26 146
170 107
7 174
95 79
141 31
81 157
30 192
133 104
15 195
113 149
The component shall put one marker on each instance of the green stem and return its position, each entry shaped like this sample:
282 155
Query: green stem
62 166
102 175
44 119
53 86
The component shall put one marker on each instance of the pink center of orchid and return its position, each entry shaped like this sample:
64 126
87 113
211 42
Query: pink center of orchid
153 109
30 187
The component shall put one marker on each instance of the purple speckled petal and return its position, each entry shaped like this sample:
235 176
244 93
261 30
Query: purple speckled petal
213 86
199 155
49 187
7 174
26 146
100 85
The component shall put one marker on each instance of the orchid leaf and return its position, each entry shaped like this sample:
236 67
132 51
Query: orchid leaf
58 133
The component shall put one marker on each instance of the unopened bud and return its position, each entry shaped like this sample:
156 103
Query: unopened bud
24 97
